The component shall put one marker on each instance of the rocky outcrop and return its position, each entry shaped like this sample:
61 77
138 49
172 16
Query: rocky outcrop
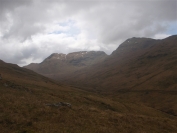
60 104
76 55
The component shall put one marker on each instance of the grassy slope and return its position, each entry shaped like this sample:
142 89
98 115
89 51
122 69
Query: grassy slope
23 95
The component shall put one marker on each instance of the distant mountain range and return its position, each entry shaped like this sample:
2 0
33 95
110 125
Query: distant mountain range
61 65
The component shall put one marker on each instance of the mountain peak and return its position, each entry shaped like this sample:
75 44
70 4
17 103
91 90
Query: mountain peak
136 40
134 44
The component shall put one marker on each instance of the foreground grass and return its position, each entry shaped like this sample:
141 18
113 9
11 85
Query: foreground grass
23 110
24 95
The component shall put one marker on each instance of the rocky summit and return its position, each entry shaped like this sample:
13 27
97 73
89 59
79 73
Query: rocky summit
82 55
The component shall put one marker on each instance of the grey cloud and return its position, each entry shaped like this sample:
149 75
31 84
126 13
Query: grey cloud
17 54
7 6
136 18
23 19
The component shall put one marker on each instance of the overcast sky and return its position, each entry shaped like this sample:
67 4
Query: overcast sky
31 30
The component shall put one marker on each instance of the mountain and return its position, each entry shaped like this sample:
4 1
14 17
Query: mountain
60 65
136 62
140 69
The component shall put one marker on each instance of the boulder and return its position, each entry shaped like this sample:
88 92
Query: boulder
60 104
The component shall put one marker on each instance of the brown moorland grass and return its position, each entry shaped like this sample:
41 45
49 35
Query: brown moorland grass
24 95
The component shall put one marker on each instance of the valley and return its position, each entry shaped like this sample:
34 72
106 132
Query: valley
131 90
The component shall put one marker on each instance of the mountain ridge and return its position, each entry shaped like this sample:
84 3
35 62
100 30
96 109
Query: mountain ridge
122 60
64 64
73 55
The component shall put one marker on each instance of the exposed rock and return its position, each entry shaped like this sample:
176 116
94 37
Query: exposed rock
75 55
6 85
0 77
60 104
16 86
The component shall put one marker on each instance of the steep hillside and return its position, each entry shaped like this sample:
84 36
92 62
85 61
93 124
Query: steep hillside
59 65
141 69
33 103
